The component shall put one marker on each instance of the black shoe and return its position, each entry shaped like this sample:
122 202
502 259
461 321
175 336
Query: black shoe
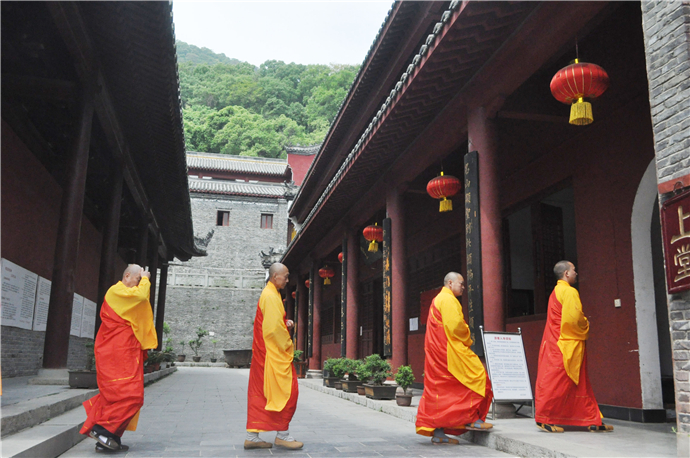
101 449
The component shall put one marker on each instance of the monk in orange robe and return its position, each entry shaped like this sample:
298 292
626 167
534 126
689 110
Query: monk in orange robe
457 392
564 395
272 392
126 333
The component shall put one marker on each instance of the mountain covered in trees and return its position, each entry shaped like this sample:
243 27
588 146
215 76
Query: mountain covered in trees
233 107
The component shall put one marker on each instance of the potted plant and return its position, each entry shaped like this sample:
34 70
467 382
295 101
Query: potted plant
154 360
338 371
380 370
86 378
329 377
213 355
404 379
350 383
195 344
363 374
181 356
300 366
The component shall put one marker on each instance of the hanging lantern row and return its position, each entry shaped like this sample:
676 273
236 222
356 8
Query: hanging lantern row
576 82
442 187
307 284
373 234
326 273
340 257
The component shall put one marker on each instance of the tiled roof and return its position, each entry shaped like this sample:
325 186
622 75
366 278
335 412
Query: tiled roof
237 188
228 163
303 150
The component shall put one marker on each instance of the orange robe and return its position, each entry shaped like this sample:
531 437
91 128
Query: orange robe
126 332
564 395
456 388
273 389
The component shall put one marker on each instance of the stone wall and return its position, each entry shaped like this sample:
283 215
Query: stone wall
22 352
219 292
667 47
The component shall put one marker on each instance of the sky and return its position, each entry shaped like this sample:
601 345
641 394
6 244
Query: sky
307 32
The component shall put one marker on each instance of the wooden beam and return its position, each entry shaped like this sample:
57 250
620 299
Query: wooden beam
532 117
39 88
71 27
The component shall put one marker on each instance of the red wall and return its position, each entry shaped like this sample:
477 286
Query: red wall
299 165
30 215
605 163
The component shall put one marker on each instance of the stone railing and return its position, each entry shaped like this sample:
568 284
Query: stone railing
216 278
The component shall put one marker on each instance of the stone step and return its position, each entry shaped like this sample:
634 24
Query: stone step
49 426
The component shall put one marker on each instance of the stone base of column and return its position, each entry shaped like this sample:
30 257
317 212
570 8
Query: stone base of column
51 377
314 373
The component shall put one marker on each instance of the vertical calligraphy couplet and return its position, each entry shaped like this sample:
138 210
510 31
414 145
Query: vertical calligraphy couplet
473 247
675 228
310 329
387 289
343 300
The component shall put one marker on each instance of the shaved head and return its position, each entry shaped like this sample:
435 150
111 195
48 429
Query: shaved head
561 268
450 276
454 282
278 275
132 275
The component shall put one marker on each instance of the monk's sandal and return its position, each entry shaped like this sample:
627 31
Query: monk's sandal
599 428
549 428
250 445
478 426
444 440
107 442
101 449
289 443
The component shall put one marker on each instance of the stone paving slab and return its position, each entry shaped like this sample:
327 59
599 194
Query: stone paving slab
200 412
520 436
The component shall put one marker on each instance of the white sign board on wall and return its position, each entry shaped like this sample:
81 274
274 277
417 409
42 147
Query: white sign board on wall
88 319
18 295
505 359
77 306
42 302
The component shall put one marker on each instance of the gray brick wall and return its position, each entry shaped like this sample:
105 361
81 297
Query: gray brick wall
666 27
219 292
667 43
22 352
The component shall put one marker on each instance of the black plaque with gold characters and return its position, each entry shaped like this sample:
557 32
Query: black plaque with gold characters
473 250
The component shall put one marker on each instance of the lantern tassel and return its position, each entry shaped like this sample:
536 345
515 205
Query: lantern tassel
446 205
581 113
327 281
373 246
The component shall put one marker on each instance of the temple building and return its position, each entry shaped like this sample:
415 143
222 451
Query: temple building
239 208
466 89
93 171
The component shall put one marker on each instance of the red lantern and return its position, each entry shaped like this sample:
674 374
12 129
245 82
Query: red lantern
340 257
326 273
306 283
294 294
443 187
373 234
576 82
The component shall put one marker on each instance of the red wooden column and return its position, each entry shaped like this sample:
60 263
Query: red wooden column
56 347
142 253
483 138
153 268
302 324
317 285
160 310
395 211
111 228
352 349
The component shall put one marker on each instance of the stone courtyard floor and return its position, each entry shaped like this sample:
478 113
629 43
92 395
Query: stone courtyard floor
202 412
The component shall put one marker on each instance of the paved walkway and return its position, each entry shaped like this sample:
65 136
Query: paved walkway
202 412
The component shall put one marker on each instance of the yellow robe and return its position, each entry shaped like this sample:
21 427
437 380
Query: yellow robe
574 329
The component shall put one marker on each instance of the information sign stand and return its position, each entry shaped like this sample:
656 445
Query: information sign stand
507 368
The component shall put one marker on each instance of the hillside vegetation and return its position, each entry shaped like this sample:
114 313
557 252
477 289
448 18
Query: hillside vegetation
233 107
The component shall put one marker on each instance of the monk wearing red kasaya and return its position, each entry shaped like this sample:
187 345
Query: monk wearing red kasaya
564 395
126 332
457 392
272 392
